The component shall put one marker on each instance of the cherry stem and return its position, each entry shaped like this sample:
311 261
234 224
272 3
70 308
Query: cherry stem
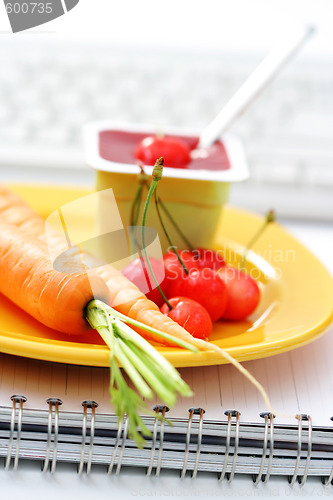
136 201
167 234
172 220
157 175
270 217
135 208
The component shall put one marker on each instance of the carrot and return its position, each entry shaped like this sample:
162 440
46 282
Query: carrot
129 301
56 299
15 211
125 297
66 302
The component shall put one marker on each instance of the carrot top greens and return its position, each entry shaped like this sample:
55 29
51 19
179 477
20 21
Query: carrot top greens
148 370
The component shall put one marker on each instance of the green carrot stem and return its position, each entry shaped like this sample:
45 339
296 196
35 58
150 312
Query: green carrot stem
109 337
163 335
157 175
160 371
128 334
270 217
127 402
145 366
167 234
177 381
162 389
112 312
99 318
126 362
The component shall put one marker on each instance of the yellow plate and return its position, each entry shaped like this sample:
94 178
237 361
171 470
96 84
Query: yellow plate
295 308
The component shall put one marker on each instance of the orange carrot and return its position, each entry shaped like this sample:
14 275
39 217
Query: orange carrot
27 278
59 300
125 297
65 302
13 210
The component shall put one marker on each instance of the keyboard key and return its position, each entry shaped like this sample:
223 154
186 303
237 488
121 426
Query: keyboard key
50 135
12 134
277 172
320 175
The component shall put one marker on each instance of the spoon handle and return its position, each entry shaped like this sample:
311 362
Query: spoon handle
254 85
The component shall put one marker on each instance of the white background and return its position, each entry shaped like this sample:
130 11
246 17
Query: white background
195 24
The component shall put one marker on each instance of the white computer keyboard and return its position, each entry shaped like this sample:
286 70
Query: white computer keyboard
48 91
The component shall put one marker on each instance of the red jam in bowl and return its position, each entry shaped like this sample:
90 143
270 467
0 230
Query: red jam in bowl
119 146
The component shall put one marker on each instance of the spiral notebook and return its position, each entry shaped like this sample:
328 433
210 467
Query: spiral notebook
61 413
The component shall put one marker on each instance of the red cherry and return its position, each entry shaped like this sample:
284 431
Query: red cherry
176 153
199 258
243 293
137 271
173 267
191 315
206 257
204 286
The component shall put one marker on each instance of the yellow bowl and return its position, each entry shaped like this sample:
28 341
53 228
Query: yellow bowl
296 305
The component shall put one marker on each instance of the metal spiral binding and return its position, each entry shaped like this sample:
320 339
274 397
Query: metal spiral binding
160 451
193 411
265 479
122 449
53 403
157 409
199 439
230 414
16 398
330 477
301 418
116 446
91 405
308 457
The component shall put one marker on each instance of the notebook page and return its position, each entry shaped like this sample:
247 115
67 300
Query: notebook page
298 381
40 380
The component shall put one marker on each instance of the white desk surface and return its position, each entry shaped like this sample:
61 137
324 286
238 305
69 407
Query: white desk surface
29 483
